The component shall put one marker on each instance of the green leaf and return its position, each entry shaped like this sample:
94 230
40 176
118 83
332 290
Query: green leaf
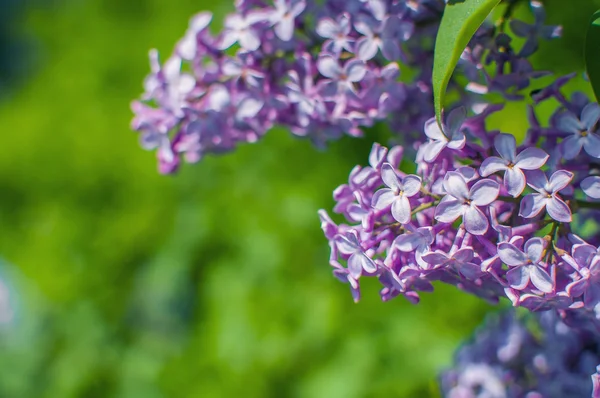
461 20
592 53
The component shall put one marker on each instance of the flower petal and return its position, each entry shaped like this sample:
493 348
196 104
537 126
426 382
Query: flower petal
432 130
455 120
531 159
383 198
449 210
559 180
518 278
355 265
541 279
591 144
511 255
484 192
412 185
532 205
514 181
534 248
344 245
390 178
355 70
506 145
591 187
329 67
590 115
569 123
475 221
408 242
492 165
432 149
571 146
455 185
558 210
401 209
366 48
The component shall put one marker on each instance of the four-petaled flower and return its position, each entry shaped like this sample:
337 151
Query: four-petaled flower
461 261
358 260
397 193
528 265
582 132
340 80
587 259
532 31
547 195
451 136
417 241
462 201
283 17
513 164
384 36
337 33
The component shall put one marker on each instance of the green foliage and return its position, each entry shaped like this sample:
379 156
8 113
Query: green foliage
592 53
461 20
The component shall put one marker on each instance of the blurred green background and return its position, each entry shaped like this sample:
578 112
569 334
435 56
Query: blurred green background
210 283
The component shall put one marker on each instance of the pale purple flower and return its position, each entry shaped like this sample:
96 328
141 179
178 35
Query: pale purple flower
397 193
384 36
528 266
513 164
378 8
417 241
284 16
582 132
591 186
534 31
340 80
547 196
451 136
358 261
461 261
587 259
337 32
241 29
188 45
465 202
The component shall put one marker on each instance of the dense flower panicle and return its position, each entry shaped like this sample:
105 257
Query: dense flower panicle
482 212
525 357
320 68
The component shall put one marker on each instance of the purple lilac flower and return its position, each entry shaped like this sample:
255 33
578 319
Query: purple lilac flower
339 79
338 33
528 265
581 132
532 32
461 201
547 196
358 260
286 62
381 36
513 164
450 136
284 15
397 193
506 358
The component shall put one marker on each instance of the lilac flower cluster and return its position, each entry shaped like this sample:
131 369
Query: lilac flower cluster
480 211
525 357
320 68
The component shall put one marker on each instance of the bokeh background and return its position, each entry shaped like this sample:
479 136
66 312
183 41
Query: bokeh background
210 283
